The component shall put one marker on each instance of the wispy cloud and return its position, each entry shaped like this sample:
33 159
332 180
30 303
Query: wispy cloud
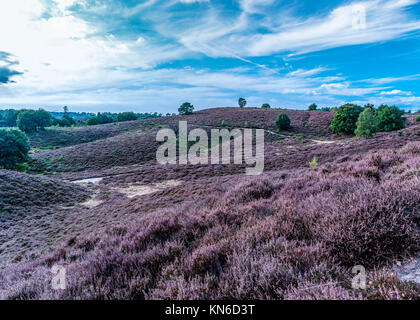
115 51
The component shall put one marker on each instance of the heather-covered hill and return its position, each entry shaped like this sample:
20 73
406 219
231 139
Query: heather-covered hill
21 192
283 235
32 209
305 122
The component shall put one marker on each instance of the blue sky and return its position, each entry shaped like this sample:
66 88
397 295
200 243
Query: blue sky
153 55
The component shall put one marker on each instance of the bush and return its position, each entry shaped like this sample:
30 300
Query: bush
345 118
126 116
312 107
64 121
282 122
186 108
11 117
365 126
14 148
265 106
389 118
31 121
417 119
242 102
99 119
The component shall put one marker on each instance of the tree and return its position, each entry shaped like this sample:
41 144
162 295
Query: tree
14 148
32 121
242 102
265 106
186 108
370 106
282 122
345 118
365 126
11 117
126 116
389 118
100 118
312 107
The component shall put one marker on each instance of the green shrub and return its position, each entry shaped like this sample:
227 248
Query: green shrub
365 126
265 106
126 116
31 121
99 119
389 118
14 148
223 123
417 119
64 121
186 108
314 162
282 122
11 117
242 102
345 118
312 107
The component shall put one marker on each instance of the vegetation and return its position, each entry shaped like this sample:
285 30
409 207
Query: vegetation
365 126
312 107
389 118
10 117
345 119
417 119
31 121
99 119
282 122
14 148
314 162
126 116
149 231
265 106
186 108
242 102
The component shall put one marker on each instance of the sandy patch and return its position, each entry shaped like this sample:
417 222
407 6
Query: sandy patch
92 203
87 181
323 141
135 191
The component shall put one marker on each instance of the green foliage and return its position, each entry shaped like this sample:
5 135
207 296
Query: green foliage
312 107
223 123
417 119
282 122
31 121
186 108
126 116
365 126
11 117
242 102
14 148
325 109
370 106
314 162
389 118
345 118
100 118
265 106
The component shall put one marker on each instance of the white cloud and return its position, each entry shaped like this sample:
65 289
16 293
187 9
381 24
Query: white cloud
395 93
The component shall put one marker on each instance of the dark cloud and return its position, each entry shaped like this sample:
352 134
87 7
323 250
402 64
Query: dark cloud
6 72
